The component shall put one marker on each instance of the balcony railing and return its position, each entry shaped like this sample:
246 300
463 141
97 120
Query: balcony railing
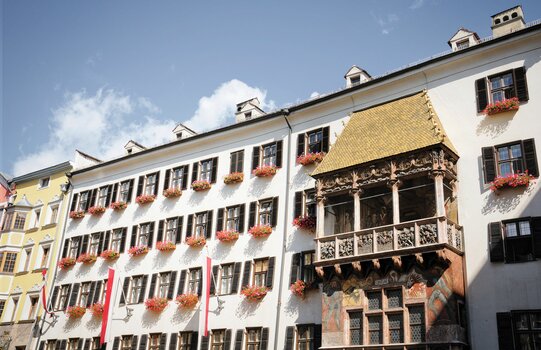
403 238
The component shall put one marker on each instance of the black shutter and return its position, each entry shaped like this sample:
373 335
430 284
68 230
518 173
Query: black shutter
208 231
80 344
163 341
140 184
264 339
189 226
246 274
279 145
74 294
317 336
130 190
123 239
91 292
106 240
204 343
159 236
63 344
181 282
481 93
65 248
133 342
242 209
173 341
152 285
143 289
178 237
114 192
157 184
530 158
536 232
214 170
185 177
325 140
521 86
89 341
236 278
200 284
171 291
270 273
42 345
124 293
109 195
290 335
495 240
97 291
195 170
505 330
300 144
213 279
298 204
238 339
489 164
255 157
116 343
251 215
220 220
193 345
58 345
74 202
166 179
92 202
143 342
227 340
100 242
295 268
274 219
84 245
151 234
133 240
53 297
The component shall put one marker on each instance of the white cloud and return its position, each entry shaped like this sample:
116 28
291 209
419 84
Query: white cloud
148 105
218 109
385 21
314 94
417 4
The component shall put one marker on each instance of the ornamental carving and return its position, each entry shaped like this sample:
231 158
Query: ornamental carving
327 250
365 243
428 234
414 163
385 240
336 183
458 240
450 234
406 237
345 247
379 172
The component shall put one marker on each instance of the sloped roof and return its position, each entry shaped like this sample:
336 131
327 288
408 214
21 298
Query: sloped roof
378 132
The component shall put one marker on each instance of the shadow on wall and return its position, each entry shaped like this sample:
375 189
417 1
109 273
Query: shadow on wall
247 308
494 125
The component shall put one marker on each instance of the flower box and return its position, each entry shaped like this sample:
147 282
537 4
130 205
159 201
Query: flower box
138 250
511 180
196 241
510 104
145 199
119 205
187 300
165 246
87 258
227 236
310 158
305 223
96 309
233 178
200 185
75 311
156 304
298 288
254 293
265 171
77 214
172 192
260 231
97 210
109 254
66 263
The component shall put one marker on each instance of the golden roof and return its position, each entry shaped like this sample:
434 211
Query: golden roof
378 132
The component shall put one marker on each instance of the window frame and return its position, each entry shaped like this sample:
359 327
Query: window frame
234 219
132 299
264 217
236 162
205 170
11 263
41 181
201 229
185 340
194 281
217 344
303 343
253 344
230 269
259 278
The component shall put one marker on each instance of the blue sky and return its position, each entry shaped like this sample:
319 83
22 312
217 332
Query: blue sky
93 74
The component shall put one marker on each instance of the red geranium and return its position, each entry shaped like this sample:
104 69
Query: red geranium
233 178
172 192
305 222
187 300
145 198
510 104
200 185
118 205
138 250
254 293
75 311
66 263
165 246
227 235
511 180
77 214
156 304
109 254
193 241
298 288
96 210
96 309
260 231
310 158
87 258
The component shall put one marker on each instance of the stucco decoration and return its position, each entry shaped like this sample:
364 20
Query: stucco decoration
17 290
38 203
35 288
29 241
47 238
56 198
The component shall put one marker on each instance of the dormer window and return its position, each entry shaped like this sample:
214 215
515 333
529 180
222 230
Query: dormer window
248 115
179 135
355 80
463 44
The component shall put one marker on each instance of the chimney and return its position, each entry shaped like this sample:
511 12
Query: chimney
248 110
181 131
463 39
355 76
133 147
507 21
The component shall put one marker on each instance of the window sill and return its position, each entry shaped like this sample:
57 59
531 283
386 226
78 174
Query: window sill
26 321
48 226
33 229
39 269
21 273
6 273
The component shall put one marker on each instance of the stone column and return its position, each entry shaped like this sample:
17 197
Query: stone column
356 193
395 185
440 195
320 222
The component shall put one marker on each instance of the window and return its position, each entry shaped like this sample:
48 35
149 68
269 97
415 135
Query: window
74 247
185 341
116 239
218 339
148 184
313 141
261 268
62 300
103 194
84 296
305 337
355 328
237 162
267 155
37 216
253 338
51 344
171 230
226 279
178 178
83 200
302 268
231 218
154 343
194 280
7 261
8 219
511 158
515 240
94 244
305 203
27 256
417 323
136 289
463 44
72 343
20 219
33 307
163 284
54 214
355 80
95 343
44 182
248 115
126 342
144 234
2 307
199 224
205 170
124 191
102 289
501 86
519 329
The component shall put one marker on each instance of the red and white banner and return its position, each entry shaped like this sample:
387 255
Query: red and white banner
44 291
207 275
107 306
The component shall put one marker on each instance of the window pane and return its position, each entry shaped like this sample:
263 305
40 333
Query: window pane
495 83
417 322
511 229
516 151
374 300
374 329
507 79
535 319
503 153
395 328
524 228
505 169
394 298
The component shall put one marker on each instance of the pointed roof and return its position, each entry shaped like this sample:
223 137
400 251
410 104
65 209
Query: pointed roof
23 202
462 29
388 129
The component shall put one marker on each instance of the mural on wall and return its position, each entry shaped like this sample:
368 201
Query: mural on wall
331 308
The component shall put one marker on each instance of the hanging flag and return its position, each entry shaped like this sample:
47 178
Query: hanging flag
44 292
107 306
207 275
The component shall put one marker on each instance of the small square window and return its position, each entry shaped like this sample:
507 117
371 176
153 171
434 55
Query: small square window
44 182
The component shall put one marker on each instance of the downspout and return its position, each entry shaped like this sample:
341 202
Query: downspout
286 212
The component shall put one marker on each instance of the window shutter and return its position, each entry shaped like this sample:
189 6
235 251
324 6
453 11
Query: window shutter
173 341
521 86
65 248
166 179
481 93
92 198
114 192
255 157
246 274
325 140
80 344
193 345
204 343
134 342
100 242
200 284
251 215
159 236
530 158
74 294
88 342
195 170
84 245
265 339
227 340
125 288
300 144
178 237
505 330
290 337
143 289
42 345
495 240
214 170
236 278
185 177
171 291
123 239
140 184
163 341
106 239
189 226
220 220
58 345
52 302
489 163
63 344
270 273
152 285
536 232
238 339
133 236
295 268
241 217
143 342
208 231
213 279
274 219
317 336
96 296
157 185
109 195
298 204
74 202
116 343
91 294
151 234
130 189
279 154
181 282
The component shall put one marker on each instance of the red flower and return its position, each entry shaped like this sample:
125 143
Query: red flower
510 104
172 192
118 205
66 263
96 309
138 250
305 222
77 214
165 246
193 241
254 293
187 300
96 210
156 304
298 288
227 236
265 171
260 231
511 180
109 254
75 311
87 258
233 178
145 198
310 158
200 185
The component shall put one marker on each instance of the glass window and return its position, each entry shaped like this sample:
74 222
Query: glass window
126 342
185 341
206 170
305 337
518 241
116 239
28 255
177 175
269 155
154 343
33 307
45 256
355 328
194 279
136 289
375 329
201 224
72 343
265 212
339 214
374 300
253 338
144 234
237 162
44 182
417 324
124 191
54 214
164 282
226 279
62 300
501 87
315 141
217 340
150 184
37 216
395 327
171 230
94 243
510 160
527 329
7 261
74 247
232 219
102 196
260 272
20 219
7 221
95 343
310 203
85 292
83 200
308 268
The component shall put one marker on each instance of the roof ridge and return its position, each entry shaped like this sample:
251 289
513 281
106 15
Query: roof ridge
438 130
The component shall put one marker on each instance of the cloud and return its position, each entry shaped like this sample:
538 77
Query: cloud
219 108
95 58
314 94
417 4
385 21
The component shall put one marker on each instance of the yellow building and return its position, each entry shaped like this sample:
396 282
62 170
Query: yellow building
30 237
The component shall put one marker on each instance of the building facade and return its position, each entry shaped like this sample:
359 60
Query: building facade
403 211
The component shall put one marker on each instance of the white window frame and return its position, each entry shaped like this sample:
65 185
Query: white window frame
41 185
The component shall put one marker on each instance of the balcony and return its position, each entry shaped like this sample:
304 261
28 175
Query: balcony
405 238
